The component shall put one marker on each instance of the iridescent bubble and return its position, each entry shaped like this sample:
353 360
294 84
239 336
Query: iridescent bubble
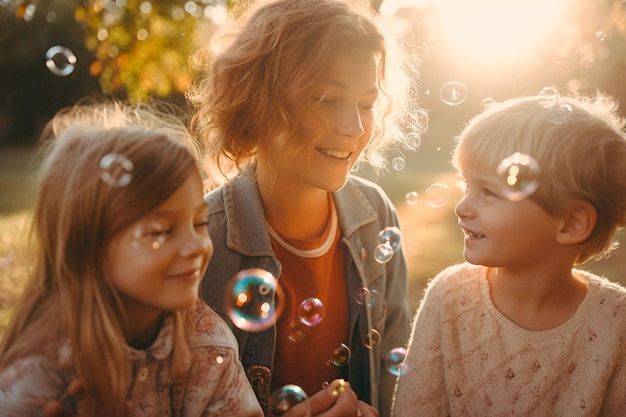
395 362
559 113
340 356
60 60
373 298
453 93
311 311
383 252
116 170
150 235
285 397
398 163
411 198
412 141
249 299
549 92
437 195
371 339
362 296
296 330
486 103
520 174
391 235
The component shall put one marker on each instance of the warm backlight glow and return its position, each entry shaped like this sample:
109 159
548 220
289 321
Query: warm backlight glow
487 30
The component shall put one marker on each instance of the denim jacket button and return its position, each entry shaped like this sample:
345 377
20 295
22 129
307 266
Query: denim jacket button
363 254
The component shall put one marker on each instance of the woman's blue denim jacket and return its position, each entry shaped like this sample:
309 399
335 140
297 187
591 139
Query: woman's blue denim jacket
240 238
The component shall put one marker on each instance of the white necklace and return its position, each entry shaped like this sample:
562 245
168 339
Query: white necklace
310 253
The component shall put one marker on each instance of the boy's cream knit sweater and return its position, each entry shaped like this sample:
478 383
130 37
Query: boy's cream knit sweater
466 359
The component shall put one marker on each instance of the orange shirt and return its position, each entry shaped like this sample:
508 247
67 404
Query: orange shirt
306 359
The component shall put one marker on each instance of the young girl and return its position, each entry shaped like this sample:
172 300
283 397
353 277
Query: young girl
291 100
112 301
517 330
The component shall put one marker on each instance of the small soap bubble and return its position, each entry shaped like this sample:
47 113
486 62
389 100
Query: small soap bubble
601 35
373 300
411 198
453 93
60 60
371 339
249 299
296 330
486 103
392 235
559 113
340 356
362 296
520 174
116 170
549 92
285 397
395 362
437 195
412 141
398 163
151 235
383 253
311 311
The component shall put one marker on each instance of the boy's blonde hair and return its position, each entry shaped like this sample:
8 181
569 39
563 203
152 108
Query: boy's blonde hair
579 144
69 296
254 79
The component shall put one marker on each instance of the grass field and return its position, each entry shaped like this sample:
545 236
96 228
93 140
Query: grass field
431 237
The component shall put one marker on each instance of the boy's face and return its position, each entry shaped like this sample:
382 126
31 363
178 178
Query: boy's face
500 232
339 120
158 262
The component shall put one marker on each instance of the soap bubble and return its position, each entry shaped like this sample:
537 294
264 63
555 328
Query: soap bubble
395 362
437 195
520 176
60 60
311 311
116 170
453 93
340 355
285 397
249 299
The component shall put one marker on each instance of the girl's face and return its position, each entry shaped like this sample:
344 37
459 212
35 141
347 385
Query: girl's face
157 263
503 233
339 121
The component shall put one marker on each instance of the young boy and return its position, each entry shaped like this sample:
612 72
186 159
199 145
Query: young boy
517 330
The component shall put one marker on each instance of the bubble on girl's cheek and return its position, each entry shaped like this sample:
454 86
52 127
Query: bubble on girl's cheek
362 296
249 299
296 330
151 235
311 311
60 60
453 93
371 339
395 361
284 398
398 163
340 355
437 195
116 170
520 176
411 198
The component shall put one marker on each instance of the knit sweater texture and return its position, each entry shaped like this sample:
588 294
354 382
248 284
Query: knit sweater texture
466 359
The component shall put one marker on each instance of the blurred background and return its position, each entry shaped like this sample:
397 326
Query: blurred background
58 52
